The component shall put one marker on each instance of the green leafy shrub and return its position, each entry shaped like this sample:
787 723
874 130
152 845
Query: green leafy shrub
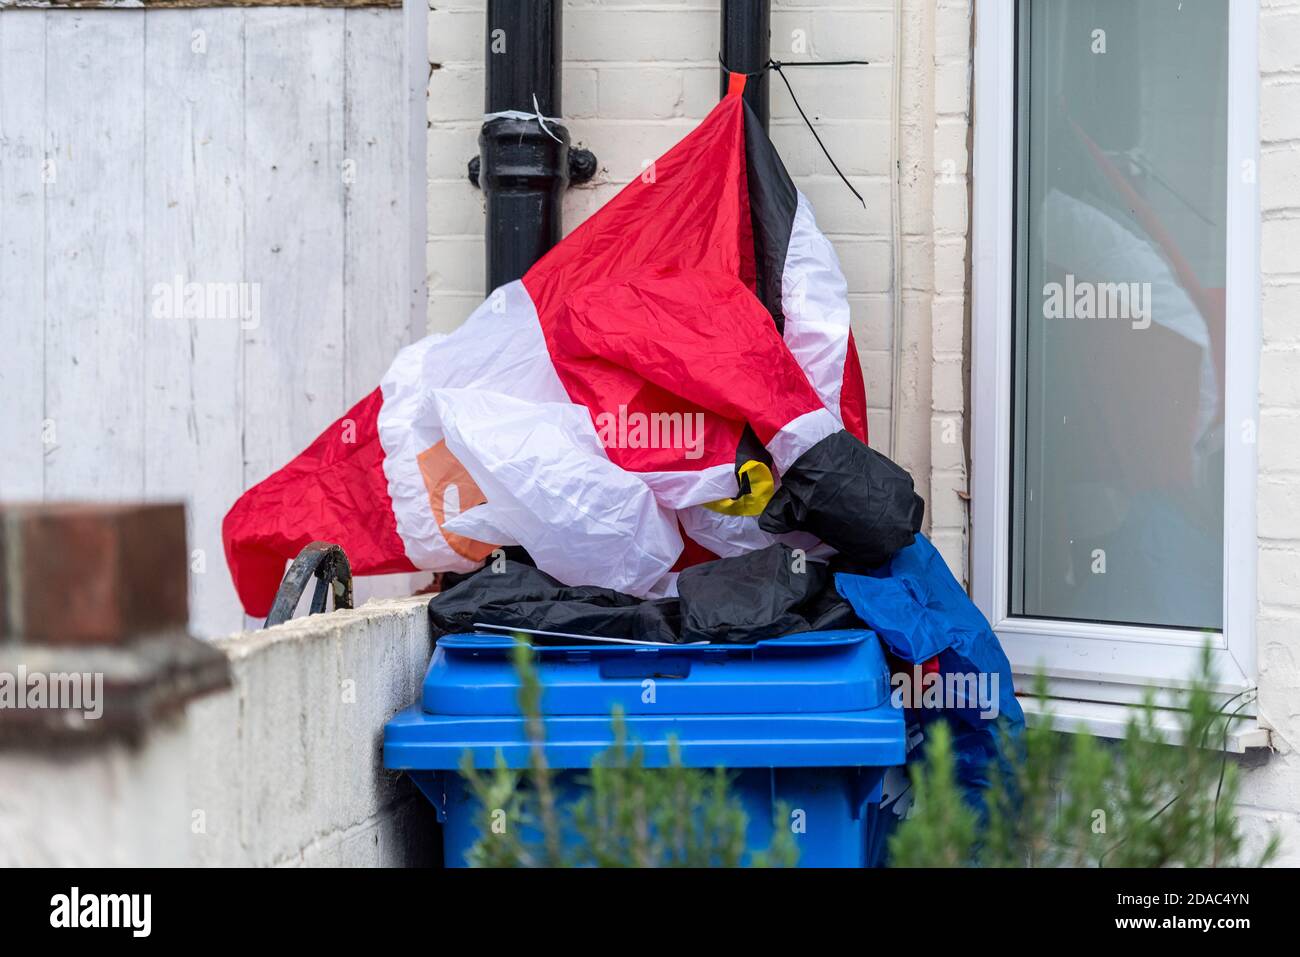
626 815
1148 800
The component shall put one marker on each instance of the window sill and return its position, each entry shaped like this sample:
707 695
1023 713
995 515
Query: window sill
1106 720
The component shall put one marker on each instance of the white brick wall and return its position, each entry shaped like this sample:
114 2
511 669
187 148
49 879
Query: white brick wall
639 75
949 306
1271 789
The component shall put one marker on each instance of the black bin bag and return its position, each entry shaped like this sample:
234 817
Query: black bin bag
521 596
746 598
851 497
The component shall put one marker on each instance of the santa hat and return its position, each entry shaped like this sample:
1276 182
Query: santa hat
702 303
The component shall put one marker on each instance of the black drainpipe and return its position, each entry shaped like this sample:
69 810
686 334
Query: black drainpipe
524 166
746 47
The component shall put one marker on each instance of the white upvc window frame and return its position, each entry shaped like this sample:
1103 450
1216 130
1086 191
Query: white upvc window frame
1087 661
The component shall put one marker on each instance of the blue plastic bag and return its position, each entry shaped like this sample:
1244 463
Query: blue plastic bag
920 611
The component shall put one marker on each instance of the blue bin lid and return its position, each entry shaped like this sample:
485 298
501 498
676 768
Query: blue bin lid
416 740
823 671
811 699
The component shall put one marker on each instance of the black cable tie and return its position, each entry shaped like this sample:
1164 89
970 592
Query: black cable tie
775 65
778 64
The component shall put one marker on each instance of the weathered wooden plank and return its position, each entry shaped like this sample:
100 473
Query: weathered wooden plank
190 4
415 70
162 169
293 361
95 297
22 255
377 313
194 234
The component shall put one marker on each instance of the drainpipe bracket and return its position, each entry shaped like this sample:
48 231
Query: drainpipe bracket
582 167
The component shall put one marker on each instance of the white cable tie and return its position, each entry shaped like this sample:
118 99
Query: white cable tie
521 115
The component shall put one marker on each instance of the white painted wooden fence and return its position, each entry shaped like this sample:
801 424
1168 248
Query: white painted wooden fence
261 152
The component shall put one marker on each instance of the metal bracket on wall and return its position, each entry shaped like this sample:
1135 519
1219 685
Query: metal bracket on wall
582 167
329 564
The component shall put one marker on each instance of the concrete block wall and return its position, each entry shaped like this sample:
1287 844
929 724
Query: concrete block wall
1271 785
282 769
285 768
112 806
639 75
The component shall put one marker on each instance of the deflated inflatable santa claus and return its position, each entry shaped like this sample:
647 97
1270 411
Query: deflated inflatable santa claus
675 381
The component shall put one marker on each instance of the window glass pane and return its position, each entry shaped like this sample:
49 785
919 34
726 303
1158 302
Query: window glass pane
1119 346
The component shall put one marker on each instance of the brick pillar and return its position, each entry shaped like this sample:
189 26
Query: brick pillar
93 605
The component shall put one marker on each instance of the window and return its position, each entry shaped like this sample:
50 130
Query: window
1115 321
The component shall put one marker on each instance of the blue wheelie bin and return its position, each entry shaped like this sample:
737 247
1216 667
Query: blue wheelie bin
804 719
